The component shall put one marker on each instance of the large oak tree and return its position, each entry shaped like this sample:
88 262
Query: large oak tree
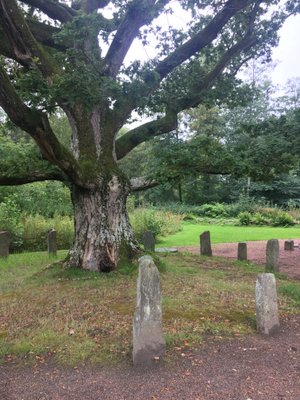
70 54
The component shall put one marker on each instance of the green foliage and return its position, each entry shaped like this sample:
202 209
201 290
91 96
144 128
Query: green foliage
29 232
213 210
266 216
43 198
244 218
10 220
36 229
282 218
158 222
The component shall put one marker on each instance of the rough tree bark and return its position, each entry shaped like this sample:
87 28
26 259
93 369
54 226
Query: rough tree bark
103 234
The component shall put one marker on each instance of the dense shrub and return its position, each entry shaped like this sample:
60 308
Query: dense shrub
282 218
213 210
266 216
244 218
157 221
10 220
36 228
29 233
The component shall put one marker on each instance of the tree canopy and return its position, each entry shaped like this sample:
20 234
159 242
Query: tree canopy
72 55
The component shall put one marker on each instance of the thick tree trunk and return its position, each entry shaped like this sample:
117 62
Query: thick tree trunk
103 235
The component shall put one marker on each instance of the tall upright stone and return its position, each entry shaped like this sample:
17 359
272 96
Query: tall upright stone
4 243
52 244
267 320
272 255
148 241
148 341
242 251
205 244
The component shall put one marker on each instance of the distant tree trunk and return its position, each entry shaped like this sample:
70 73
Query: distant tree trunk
180 192
103 234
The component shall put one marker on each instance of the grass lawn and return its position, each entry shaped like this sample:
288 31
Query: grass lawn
189 235
74 316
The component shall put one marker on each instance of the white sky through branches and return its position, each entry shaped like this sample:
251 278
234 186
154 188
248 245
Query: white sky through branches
286 55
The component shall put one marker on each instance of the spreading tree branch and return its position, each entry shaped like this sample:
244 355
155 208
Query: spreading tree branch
195 99
37 125
142 183
54 9
29 176
140 12
43 33
145 132
184 52
89 6
201 39
21 39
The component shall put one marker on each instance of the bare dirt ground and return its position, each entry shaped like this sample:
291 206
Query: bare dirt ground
251 368
254 367
289 261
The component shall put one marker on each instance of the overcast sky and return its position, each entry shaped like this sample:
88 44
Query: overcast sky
288 52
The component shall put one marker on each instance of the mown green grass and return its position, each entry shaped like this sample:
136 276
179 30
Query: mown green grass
74 316
189 235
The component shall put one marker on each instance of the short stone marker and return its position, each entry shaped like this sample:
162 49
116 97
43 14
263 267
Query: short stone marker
4 243
205 245
166 250
148 341
267 320
51 240
272 255
289 245
148 241
242 251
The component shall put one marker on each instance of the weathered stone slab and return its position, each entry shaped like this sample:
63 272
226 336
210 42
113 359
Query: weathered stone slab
242 251
272 255
266 304
4 243
166 250
289 245
205 244
148 341
51 241
148 241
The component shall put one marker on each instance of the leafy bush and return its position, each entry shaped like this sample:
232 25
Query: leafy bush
259 219
267 216
282 218
157 221
244 218
214 210
10 220
36 228
244 204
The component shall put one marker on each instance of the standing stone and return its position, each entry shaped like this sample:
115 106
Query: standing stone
148 341
272 255
4 243
205 245
266 304
242 251
289 245
52 246
148 241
